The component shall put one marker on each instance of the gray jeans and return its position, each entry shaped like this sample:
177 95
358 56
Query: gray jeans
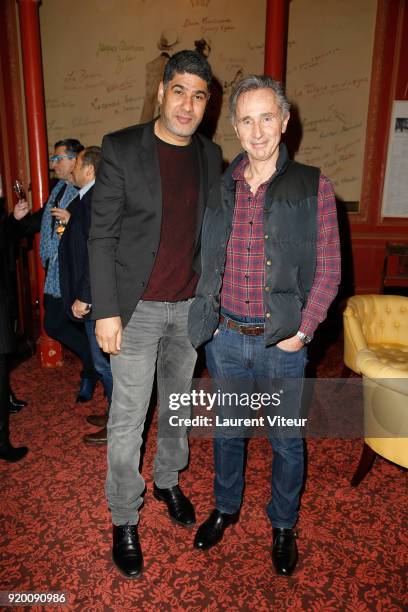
156 334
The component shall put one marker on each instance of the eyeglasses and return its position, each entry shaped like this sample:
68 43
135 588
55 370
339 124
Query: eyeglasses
56 158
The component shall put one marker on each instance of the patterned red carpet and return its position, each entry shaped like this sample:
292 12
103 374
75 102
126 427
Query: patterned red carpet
55 527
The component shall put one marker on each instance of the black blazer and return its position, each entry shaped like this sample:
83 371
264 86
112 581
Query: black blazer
8 304
30 224
126 216
73 254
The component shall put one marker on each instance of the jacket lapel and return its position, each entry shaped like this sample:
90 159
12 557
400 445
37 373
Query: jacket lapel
150 166
203 187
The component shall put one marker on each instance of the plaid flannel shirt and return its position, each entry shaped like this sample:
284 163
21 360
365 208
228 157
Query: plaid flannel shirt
242 292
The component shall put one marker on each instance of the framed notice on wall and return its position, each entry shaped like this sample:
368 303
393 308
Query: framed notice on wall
395 194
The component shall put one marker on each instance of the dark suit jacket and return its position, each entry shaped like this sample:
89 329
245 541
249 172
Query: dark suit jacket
30 224
73 254
126 216
8 305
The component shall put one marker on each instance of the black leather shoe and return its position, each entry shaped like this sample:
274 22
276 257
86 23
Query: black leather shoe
15 405
126 552
86 390
212 530
284 551
11 454
179 506
97 420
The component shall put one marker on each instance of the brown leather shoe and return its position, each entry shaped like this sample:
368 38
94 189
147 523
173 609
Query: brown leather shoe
98 438
99 420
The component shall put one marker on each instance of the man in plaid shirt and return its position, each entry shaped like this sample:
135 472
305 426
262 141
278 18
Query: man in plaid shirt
270 269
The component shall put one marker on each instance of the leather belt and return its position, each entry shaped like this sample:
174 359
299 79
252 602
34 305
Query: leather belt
247 330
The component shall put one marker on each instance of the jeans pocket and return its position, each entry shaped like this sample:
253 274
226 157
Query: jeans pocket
289 352
291 363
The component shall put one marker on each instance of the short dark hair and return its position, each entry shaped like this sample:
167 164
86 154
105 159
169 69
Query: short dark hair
92 157
72 145
259 81
190 62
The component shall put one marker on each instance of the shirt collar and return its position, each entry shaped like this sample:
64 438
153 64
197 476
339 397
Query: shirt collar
239 170
283 158
87 187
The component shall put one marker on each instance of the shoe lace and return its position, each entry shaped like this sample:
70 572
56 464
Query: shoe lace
128 532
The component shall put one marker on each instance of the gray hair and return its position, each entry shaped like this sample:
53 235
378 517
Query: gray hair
259 81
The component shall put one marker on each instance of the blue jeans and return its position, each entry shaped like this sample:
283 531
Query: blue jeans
156 335
100 360
231 356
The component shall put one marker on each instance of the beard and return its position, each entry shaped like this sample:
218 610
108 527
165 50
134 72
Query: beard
179 130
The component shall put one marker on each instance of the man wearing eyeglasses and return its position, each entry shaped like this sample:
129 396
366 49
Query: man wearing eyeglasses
50 221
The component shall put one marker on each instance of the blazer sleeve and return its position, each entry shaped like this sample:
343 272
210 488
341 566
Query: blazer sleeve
28 225
83 289
106 214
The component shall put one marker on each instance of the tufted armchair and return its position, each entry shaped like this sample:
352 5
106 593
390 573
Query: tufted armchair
376 346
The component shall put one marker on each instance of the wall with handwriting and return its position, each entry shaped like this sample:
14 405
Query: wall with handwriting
103 58
330 47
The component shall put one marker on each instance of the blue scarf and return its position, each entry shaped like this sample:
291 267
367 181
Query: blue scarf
49 241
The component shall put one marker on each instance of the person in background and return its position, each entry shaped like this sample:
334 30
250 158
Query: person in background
7 342
270 270
74 273
50 221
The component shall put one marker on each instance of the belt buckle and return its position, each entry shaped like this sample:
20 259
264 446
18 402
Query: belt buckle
251 330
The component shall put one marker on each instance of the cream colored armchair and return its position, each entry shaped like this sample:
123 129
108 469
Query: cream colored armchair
376 346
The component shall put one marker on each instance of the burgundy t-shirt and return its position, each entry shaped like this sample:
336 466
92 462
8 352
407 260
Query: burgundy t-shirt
173 278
